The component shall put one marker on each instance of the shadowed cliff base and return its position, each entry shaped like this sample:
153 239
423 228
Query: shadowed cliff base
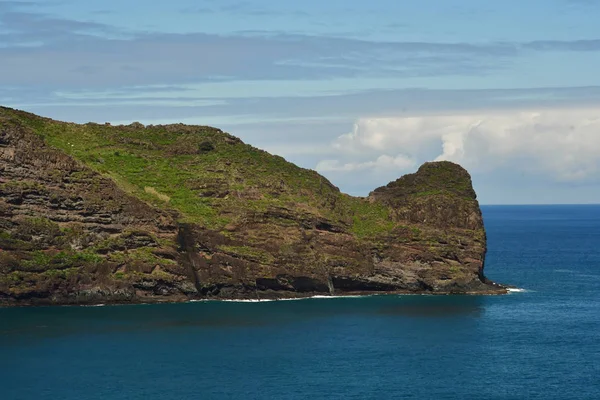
116 214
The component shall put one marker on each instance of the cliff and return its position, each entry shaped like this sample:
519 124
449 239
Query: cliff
98 214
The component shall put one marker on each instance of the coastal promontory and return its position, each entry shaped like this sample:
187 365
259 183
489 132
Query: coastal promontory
94 213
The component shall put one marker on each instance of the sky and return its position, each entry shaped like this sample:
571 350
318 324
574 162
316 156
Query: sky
363 92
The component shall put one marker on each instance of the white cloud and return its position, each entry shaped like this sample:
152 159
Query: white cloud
563 144
382 163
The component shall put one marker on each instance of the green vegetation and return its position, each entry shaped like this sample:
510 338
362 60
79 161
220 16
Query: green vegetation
250 253
210 177
119 275
42 260
9 242
368 220
434 179
142 255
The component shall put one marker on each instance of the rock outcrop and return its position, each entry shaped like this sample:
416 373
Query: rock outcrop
100 214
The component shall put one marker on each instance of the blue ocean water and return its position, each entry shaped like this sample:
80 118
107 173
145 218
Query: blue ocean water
543 343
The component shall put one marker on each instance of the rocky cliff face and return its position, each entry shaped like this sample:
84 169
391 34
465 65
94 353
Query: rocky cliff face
97 214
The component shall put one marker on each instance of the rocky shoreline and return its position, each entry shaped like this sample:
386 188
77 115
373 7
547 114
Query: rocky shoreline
101 298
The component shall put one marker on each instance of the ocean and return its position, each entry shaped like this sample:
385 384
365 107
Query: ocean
542 342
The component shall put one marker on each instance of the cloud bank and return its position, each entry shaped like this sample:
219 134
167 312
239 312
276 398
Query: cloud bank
556 144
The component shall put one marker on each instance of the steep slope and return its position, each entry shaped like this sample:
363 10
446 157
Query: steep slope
95 213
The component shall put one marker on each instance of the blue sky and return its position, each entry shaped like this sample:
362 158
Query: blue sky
361 91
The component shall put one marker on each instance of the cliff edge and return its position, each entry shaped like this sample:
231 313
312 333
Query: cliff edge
115 214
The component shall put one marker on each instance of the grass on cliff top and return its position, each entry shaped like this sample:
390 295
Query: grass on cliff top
432 179
209 176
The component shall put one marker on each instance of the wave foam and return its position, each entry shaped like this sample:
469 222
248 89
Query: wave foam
270 300
516 290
